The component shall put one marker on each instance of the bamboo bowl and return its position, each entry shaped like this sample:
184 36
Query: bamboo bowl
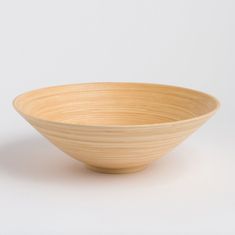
116 127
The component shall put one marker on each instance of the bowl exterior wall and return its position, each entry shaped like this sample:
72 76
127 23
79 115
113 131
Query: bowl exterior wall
116 147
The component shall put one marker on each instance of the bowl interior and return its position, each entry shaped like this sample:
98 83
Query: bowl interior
115 104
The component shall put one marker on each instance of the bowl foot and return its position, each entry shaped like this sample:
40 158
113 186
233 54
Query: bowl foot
116 170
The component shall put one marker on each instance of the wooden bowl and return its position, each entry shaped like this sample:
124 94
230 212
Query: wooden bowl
116 127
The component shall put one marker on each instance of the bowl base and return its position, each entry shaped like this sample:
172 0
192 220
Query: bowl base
116 170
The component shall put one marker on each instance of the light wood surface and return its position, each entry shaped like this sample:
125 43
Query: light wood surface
116 127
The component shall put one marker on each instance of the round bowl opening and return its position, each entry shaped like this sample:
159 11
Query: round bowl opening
111 104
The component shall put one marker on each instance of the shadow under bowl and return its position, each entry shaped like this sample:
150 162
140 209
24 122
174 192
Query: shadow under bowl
116 127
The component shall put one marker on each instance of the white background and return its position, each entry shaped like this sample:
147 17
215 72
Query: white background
180 42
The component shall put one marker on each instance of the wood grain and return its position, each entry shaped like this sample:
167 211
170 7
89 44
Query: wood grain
116 127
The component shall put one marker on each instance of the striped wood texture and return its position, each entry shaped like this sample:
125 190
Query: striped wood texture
116 127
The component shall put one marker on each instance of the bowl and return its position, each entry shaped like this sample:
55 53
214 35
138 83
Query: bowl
116 127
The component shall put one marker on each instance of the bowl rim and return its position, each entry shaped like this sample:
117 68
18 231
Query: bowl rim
199 117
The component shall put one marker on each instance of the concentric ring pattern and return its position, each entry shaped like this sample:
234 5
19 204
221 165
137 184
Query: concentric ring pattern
116 127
